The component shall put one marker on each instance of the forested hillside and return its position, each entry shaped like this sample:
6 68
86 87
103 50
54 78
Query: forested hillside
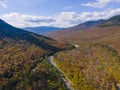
23 60
95 64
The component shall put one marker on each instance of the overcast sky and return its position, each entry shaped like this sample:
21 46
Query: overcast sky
57 13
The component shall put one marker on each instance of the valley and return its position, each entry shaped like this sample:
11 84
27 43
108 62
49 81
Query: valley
83 57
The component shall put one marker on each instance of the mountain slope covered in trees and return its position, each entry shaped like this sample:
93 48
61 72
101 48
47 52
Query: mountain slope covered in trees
95 65
23 60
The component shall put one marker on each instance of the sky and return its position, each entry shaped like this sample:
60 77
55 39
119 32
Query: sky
56 13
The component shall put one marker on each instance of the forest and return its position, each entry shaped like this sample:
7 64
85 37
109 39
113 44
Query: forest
95 64
24 66
24 60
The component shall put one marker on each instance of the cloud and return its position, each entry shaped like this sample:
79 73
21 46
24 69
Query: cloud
63 19
3 3
22 20
69 7
40 20
100 3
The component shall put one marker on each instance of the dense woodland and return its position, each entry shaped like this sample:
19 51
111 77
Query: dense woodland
23 66
95 65
24 60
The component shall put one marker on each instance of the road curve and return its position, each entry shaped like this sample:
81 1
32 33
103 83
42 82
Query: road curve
65 79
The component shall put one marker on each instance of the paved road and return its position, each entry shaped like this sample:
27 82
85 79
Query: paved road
65 79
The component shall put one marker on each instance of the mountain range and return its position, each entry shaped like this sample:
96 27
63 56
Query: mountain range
89 25
93 65
42 30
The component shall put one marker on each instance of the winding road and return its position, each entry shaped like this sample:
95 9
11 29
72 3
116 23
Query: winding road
65 79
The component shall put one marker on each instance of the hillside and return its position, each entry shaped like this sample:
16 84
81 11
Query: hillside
112 21
19 34
43 29
84 28
115 18
69 31
23 60
95 64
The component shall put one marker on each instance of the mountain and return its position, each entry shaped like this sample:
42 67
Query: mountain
24 60
87 25
11 32
115 18
112 21
43 29
96 62
83 26
93 23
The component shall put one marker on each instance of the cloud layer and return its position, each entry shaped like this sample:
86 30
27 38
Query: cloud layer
100 3
63 19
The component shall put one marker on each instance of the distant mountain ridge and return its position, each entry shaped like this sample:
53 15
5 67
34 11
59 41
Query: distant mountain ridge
112 21
93 23
89 25
115 20
42 29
